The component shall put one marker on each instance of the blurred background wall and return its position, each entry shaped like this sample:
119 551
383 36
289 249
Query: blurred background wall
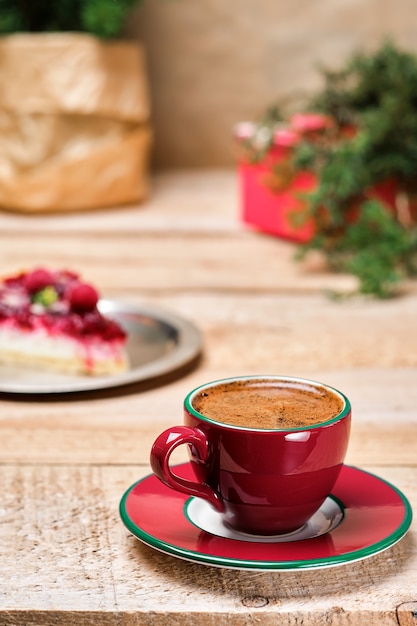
213 63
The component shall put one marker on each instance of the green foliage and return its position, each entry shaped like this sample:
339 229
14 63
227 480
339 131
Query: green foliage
375 247
379 250
377 95
372 102
103 18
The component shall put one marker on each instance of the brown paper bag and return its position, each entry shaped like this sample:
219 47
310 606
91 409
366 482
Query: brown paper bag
74 123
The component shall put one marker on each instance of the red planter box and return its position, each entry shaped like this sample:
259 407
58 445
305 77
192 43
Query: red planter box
272 210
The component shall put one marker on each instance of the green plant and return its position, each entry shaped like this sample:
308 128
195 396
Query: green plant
372 138
376 95
103 18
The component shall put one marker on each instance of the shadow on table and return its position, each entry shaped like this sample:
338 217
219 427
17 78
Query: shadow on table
271 586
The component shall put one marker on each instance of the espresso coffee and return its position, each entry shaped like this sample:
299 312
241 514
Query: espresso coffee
268 404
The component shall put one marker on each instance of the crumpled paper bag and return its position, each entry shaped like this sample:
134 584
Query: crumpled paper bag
74 123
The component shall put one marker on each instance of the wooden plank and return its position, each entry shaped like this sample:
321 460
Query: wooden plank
333 616
69 560
120 429
165 263
113 247
180 201
124 445
128 446
278 333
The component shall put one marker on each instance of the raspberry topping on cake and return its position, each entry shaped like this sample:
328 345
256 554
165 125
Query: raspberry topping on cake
37 280
57 305
82 297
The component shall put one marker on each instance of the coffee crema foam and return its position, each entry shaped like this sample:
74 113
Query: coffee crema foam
268 404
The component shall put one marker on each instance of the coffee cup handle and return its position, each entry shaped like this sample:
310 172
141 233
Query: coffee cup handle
160 455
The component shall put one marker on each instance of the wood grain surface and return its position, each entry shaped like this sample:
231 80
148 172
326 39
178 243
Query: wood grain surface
65 460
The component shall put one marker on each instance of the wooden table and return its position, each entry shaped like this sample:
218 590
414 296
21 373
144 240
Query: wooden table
66 558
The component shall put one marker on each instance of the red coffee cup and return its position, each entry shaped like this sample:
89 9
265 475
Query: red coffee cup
263 464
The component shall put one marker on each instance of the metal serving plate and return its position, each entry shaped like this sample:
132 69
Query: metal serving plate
158 343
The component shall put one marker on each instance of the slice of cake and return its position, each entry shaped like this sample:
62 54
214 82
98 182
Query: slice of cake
49 319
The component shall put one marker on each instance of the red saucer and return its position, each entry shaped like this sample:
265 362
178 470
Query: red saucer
364 516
